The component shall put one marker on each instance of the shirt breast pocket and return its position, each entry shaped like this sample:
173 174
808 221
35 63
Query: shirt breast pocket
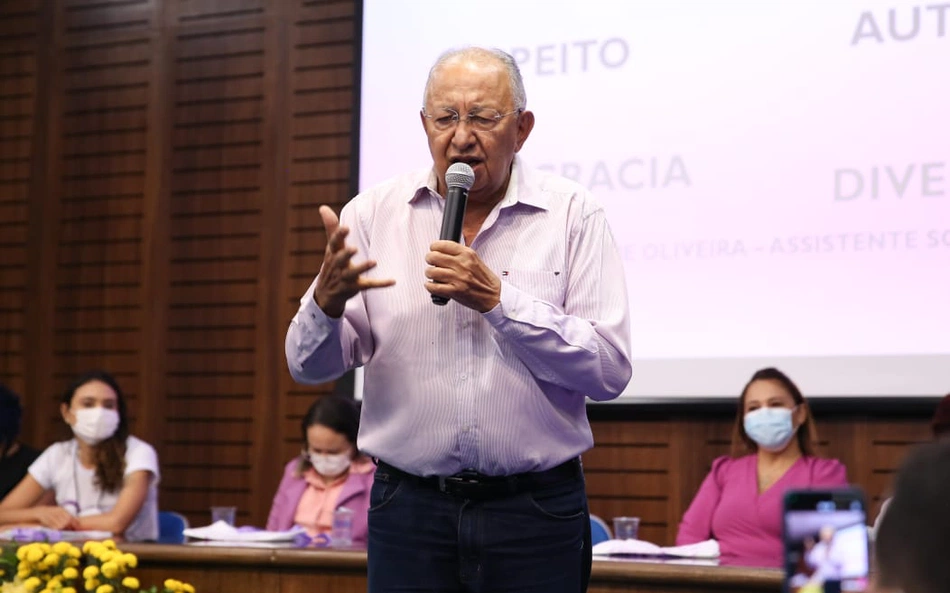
546 285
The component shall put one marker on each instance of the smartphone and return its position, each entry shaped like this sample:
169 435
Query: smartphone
825 533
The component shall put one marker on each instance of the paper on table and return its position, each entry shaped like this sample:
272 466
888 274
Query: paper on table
81 536
30 534
221 531
242 544
706 549
636 547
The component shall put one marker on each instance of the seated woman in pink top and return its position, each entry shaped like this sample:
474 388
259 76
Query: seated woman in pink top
740 502
329 473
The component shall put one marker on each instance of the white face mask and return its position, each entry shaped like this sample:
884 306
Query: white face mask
330 466
94 425
771 428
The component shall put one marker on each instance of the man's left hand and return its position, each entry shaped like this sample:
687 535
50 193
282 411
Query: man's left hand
456 272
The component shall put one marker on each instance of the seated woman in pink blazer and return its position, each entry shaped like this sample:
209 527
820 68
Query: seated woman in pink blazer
329 473
740 502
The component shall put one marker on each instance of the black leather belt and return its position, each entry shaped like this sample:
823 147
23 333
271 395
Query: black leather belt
476 486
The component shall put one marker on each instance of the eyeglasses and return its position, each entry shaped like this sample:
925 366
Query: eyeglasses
481 120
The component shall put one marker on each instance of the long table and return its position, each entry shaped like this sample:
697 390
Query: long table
238 570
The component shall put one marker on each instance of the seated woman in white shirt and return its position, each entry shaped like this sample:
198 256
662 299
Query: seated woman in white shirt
102 480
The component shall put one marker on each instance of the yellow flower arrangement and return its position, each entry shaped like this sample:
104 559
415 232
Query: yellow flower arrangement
61 567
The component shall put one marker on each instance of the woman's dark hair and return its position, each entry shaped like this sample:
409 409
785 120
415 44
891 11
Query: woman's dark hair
807 434
336 412
11 415
110 453
341 414
911 546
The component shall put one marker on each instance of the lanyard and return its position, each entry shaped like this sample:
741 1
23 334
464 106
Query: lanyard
76 503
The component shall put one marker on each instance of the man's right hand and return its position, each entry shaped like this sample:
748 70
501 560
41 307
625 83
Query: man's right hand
339 279
54 518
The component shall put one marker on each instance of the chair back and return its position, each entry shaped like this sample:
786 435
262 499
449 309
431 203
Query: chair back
171 527
599 532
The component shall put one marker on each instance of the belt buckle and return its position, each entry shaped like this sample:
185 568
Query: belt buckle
461 484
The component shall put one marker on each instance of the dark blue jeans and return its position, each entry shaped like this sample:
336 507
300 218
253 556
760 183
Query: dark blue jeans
425 541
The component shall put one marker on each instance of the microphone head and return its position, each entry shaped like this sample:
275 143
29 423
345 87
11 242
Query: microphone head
460 175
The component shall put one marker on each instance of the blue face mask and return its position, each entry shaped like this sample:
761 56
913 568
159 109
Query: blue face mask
771 428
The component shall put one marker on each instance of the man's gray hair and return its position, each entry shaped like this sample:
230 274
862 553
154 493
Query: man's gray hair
484 55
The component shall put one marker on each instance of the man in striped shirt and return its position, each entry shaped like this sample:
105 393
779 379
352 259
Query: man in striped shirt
476 410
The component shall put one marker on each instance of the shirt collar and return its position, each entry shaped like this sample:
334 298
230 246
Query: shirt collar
520 190
426 185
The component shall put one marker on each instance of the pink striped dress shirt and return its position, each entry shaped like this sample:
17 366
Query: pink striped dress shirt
447 388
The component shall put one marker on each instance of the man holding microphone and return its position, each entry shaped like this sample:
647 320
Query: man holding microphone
475 410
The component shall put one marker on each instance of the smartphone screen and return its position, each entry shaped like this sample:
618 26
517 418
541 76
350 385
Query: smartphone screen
826 541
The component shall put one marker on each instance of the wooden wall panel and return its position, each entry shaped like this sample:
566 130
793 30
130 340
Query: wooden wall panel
102 17
319 118
628 473
218 11
98 151
217 127
19 48
887 443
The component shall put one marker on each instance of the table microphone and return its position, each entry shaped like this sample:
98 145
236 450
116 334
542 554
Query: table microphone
459 179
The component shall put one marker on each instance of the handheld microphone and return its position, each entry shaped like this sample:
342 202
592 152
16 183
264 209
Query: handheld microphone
459 179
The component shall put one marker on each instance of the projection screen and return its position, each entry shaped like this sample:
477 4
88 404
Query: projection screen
775 173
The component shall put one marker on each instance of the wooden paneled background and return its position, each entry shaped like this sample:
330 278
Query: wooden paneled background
161 163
